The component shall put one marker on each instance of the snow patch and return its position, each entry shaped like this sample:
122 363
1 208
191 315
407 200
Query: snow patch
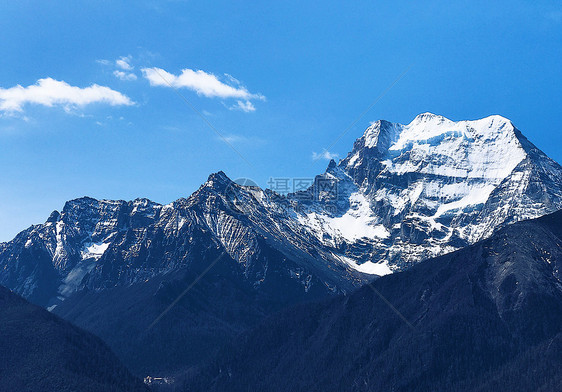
476 196
358 222
94 250
368 267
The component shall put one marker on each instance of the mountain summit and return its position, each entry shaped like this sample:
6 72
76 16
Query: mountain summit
435 185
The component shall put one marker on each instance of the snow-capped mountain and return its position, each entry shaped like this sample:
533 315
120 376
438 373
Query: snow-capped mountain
404 193
427 188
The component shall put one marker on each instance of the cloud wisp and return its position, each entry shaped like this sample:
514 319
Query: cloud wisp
241 139
124 62
123 67
245 106
50 92
124 75
204 84
327 155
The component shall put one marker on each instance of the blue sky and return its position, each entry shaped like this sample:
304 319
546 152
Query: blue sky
95 114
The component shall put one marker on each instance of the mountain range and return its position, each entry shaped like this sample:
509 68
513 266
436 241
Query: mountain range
405 193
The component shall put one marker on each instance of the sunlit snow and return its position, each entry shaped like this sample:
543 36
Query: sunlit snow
94 250
358 222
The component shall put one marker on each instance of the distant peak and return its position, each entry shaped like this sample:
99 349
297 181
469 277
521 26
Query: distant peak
380 134
218 180
86 200
83 199
496 118
429 117
143 201
432 117
54 216
219 176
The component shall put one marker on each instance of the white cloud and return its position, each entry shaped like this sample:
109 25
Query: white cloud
201 82
233 138
327 155
124 62
123 68
51 92
124 75
245 106
240 139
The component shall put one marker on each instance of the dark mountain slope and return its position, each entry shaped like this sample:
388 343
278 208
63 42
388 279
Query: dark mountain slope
483 318
216 309
537 369
41 352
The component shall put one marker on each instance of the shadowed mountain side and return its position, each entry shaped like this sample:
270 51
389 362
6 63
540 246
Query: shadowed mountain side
218 307
41 352
484 318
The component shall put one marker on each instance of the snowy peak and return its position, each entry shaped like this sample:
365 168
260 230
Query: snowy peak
436 185
437 119
217 184
430 127
432 144
428 116
487 148
219 179
379 136
427 127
